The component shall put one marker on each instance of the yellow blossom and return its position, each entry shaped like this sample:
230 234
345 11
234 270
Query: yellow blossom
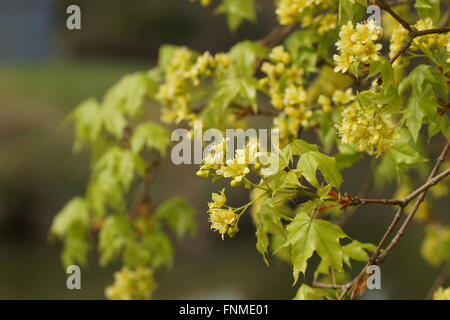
442 294
131 285
343 97
325 22
183 72
218 200
234 169
278 54
203 3
370 128
295 96
222 220
356 44
325 102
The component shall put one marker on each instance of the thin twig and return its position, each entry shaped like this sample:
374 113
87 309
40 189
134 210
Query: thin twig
364 191
386 7
413 33
330 285
276 36
356 201
419 200
377 256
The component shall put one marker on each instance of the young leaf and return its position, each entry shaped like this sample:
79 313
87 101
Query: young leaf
306 292
114 236
299 147
306 235
180 216
86 120
428 9
150 135
267 221
352 10
311 161
403 151
70 225
237 11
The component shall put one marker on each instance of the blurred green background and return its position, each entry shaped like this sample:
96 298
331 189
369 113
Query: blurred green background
46 70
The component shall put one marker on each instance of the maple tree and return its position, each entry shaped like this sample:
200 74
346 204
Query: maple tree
364 89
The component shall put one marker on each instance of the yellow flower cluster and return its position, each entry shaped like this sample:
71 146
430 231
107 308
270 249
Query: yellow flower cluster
204 3
448 47
182 73
284 84
357 45
431 41
341 97
290 11
436 238
223 220
237 168
323 22
370 128
424 43
398 39
442 294
132 285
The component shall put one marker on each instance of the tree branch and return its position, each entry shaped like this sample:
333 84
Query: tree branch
330 285
386 7
348 200
276 36
413 33
377 256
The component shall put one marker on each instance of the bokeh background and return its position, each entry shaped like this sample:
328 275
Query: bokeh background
46 70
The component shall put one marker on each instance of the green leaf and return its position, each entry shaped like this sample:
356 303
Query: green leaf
428 9
403 151
245 55
237 11
311 161
114 236
227 90
352 10
248 90
306 292
283 180
357 251
166 55
111 178
306 236
180 216
86 121
354 250
301 39
128 94
71 225
74 212
152 82
383 67
268 220
299 147
414 117
420 77
154 248
114 120
150 135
